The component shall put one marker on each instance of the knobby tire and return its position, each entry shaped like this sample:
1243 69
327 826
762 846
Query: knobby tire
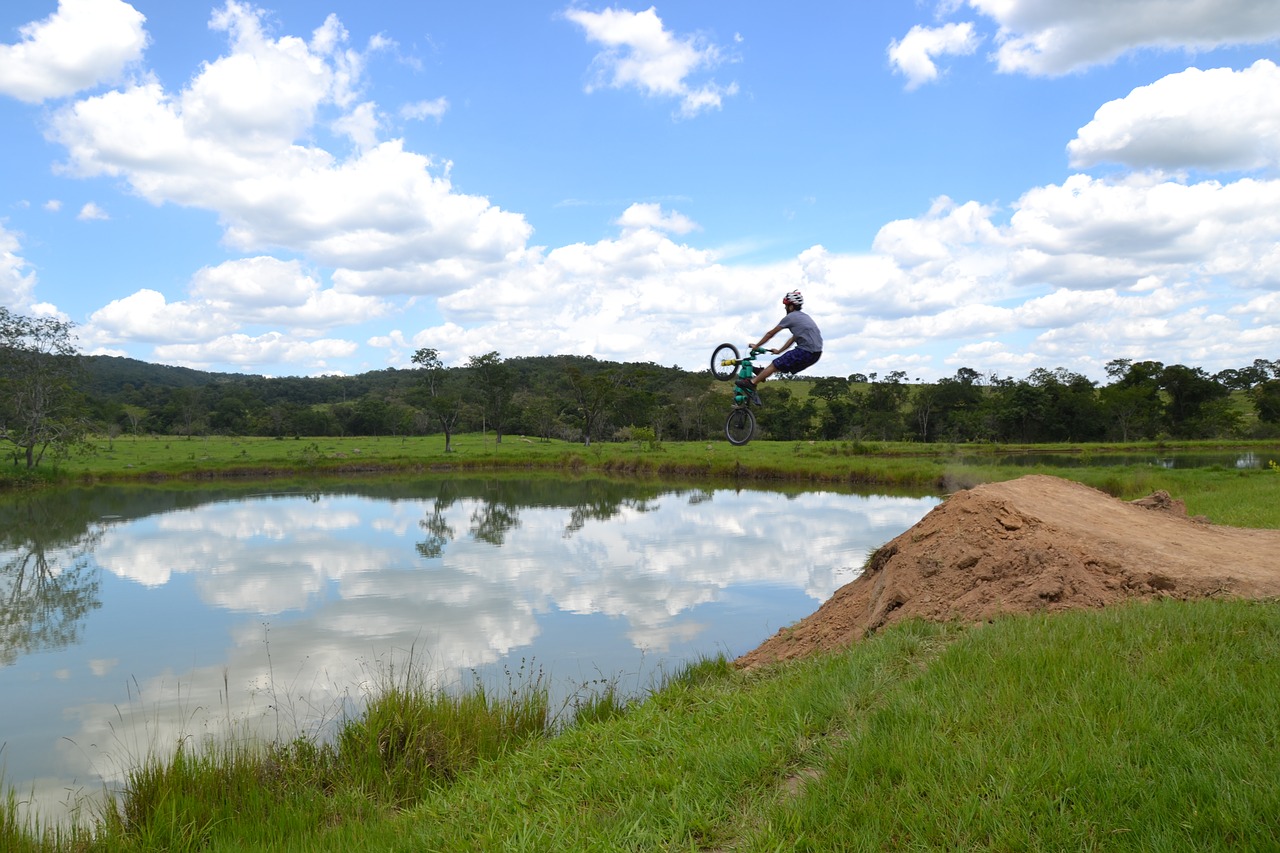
739 426
724 352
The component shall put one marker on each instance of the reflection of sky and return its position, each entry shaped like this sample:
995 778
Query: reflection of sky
276 611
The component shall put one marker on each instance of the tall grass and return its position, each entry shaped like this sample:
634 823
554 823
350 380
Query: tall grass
409 739
1145 727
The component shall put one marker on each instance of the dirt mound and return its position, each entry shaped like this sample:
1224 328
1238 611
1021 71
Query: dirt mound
1036 544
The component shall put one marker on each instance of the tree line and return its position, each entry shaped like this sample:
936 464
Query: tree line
52 397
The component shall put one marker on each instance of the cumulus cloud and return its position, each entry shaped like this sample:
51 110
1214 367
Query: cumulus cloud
17 282
1135 261
1088 233
262 291
1219 119
914 55
266 290
1140 262
232 142
82 44
1039 37
419 110
147 316
652 216
255 352
639 52
91 212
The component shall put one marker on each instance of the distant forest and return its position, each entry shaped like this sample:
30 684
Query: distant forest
580 398
52 396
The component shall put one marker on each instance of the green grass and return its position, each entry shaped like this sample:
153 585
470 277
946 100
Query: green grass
1248 498
1145 727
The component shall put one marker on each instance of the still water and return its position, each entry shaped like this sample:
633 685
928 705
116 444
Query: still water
133 617
1241 460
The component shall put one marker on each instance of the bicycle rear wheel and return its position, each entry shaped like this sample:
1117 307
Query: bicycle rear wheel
739 426
724 361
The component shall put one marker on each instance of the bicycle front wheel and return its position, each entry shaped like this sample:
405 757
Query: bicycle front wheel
739 426
724 361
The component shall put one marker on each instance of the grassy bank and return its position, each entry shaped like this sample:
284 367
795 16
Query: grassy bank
1147 727
1249 498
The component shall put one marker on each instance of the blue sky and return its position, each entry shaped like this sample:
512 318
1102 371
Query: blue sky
299 188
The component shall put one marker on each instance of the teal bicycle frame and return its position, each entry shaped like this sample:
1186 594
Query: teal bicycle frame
725 364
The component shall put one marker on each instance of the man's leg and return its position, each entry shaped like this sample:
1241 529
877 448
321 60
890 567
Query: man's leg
751 383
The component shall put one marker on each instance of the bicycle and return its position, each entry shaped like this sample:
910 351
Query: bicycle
727 364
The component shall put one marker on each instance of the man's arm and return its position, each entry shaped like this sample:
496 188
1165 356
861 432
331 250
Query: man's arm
784 347
767 335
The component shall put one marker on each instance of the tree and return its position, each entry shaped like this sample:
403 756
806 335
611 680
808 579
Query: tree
50 585
784 418
135 416
1266 401
1133 400
541 413
441 397
594 394
494 383
954 404
40 406
1191 391
882 406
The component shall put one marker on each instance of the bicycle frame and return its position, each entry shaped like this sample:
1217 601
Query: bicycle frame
741 423
746 370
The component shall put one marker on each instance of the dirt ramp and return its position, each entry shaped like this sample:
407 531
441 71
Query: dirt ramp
1036 544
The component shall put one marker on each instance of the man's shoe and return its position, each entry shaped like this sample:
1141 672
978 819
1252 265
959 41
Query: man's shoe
750 388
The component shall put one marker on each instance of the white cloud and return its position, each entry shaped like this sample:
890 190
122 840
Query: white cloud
230 143
266 290
914 56
17 284
272 348
1071 275
83 43
361 125
419 110
255 283
92 212
1045 37
265 93
1088 233
652 216
259 291
1217 119
146 316
641 53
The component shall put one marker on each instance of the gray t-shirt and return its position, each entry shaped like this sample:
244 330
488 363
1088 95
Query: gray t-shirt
805 331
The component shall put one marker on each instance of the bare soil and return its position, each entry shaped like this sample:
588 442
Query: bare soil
1035 544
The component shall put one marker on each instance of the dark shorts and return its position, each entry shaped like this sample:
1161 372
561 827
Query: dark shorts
795 360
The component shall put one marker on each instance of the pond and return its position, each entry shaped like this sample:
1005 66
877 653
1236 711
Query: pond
1242 459
136 616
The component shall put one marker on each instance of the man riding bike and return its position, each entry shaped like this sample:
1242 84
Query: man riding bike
804 335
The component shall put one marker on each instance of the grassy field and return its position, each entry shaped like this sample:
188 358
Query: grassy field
1248 498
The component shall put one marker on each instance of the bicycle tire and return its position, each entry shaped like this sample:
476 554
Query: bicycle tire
740 426
724 353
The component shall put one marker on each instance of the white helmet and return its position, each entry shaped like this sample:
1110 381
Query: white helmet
795 298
